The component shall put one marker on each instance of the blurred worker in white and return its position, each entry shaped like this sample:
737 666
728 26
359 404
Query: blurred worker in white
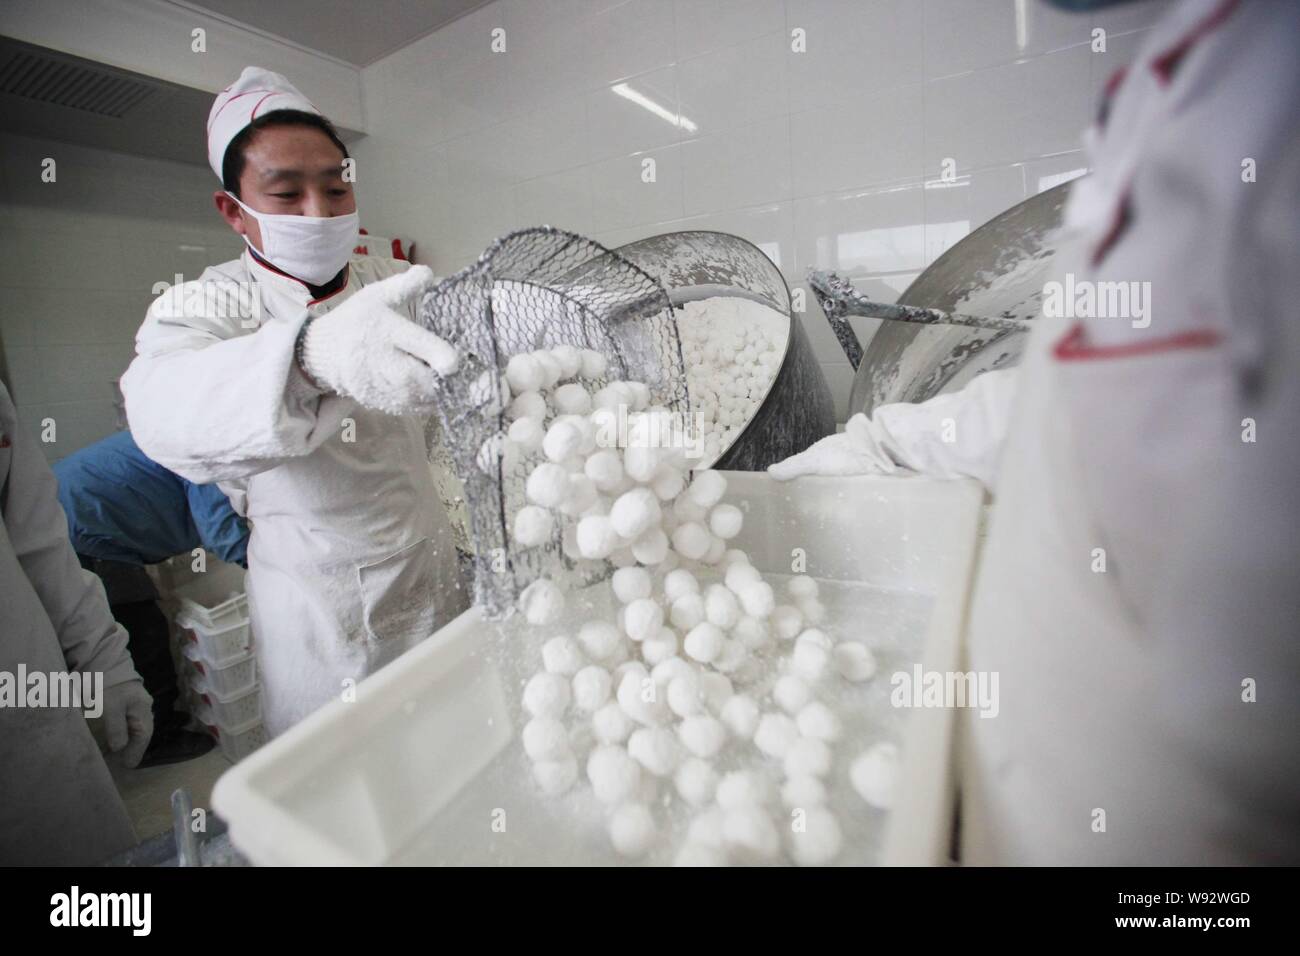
58 803
1149 710
296 377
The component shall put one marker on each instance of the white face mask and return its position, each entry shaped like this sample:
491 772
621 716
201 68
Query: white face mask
310 248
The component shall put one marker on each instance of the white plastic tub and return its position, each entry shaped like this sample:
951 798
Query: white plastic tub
236 742
422 764
229 710
233 676
214 599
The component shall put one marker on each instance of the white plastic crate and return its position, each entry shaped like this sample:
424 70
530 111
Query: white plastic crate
234 710
401 775
236 743
232 677
218 646
215 598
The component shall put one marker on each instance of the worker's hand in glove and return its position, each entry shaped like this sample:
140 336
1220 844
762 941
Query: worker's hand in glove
370 350
127 720
855 451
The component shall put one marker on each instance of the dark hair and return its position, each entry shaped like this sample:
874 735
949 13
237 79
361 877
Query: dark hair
232 164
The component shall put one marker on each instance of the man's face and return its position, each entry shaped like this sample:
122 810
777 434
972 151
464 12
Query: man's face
288 171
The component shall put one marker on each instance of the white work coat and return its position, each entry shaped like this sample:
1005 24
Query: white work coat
351 561
58 803
1138 593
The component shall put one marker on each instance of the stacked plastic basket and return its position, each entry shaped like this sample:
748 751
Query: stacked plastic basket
216 647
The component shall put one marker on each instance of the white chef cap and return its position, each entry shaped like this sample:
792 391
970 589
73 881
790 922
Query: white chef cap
256 93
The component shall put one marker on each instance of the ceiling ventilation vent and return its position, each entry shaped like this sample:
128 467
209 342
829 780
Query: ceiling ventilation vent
45 79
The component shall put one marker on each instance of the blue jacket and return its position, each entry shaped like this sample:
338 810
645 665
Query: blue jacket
122 506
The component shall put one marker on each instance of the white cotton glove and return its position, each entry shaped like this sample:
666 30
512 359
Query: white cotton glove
370 350
856 451
127 720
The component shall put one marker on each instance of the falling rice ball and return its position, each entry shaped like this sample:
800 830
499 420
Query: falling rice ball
643 618
615 777
696 781
819 841
802 587
562 655
593 363
572 399
527 433
542 602
787 621
758 599
546 695
875 775
703 735
631 583
791 693
605 469
591 688
651 547
610 724
803 792
721 607
555 777
807 757
691 540
547 485
656 749
545 738
678 583
599 639
662 647
775 734
528 405
725 521
524 373
597 538
818 721
704 642
854 661
533 526
632 830
635 511
687 611
563 440
707 488
740 714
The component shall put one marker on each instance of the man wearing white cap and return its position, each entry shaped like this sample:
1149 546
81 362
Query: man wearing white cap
295 376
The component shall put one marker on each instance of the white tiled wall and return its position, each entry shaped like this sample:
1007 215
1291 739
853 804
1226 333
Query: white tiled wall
78 260
828 157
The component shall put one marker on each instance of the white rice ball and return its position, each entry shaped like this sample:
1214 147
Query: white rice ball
791 693
740 575
684 510
749 831
632 830
667 483
691 540
704 642
678 583
775 734
528 405
591 688
533 525
572 399
819 840
641 462
546 695
643 617
615 777
758 599
734 556
640 699
599 639
813 611
634 512
549 366
527 433
802 587
562 655
717 690
547 485
752 632
854 661
610 725
807 757
655 749
593 364
725 521
721 607
706 828
651 547
740 714
605 469
707 488
687 611
703 735
685 695
696 781
662 647
563 440
597 538
875 775
742 788
819 722
631 583
542 602
810 661
545 738
569 359
524 373
787 621
555 777
581 496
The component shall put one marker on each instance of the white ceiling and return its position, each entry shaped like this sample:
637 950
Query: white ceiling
355 31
